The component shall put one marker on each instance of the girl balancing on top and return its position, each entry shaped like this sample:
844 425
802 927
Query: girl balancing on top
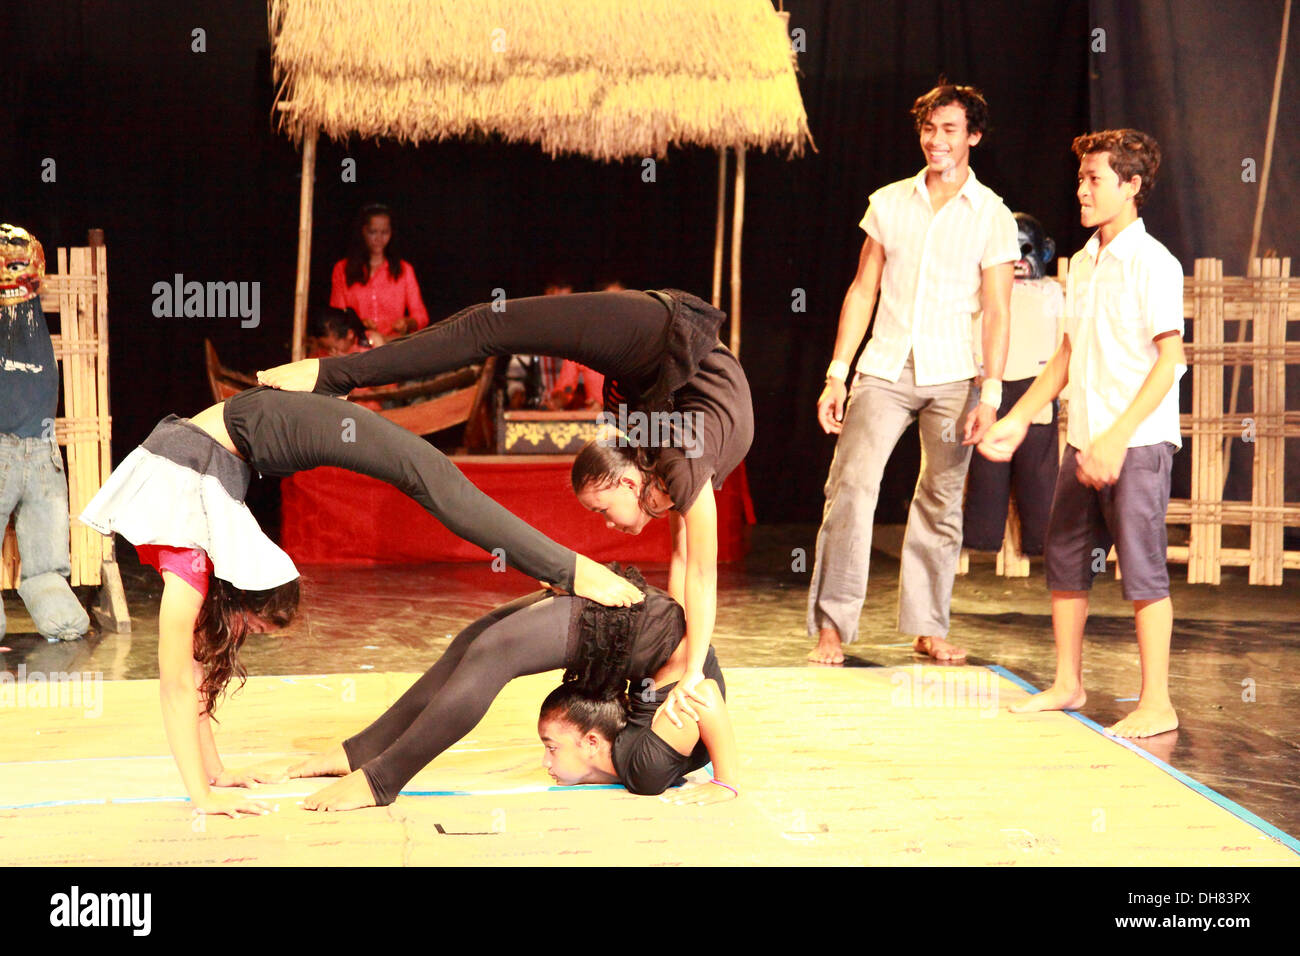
179 498
663 366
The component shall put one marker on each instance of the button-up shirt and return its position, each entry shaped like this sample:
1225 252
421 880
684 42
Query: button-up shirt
381 302
930 288
1116 303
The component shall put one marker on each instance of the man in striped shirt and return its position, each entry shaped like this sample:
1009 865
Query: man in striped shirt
940 249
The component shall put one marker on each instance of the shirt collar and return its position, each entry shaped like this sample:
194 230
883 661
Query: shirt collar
1123 245
972 188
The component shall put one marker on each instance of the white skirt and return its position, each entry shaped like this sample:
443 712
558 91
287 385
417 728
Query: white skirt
150 499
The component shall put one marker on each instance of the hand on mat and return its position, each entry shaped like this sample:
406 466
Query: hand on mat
252 776
598 583
830 407
1003 438
1100 465
231 805
698 795
979 421
294 377
685 695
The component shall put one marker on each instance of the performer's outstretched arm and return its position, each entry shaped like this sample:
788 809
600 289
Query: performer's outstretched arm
710 723
189 733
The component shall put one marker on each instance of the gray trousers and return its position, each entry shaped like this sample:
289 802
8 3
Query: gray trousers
34 489
877 415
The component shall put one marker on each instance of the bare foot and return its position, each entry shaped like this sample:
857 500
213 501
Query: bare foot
939 648
331 763
1145 722
295 377
1054 698
350 793
829 650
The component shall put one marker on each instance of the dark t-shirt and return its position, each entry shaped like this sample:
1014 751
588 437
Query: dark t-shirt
717 428
644 761
29 376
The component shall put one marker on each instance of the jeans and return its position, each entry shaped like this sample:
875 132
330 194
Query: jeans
34 489
877 415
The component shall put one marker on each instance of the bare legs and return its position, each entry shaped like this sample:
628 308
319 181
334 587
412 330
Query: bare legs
1155 711
1154 620
1069 614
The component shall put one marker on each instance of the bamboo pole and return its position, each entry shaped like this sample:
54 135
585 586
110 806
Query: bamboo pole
83 450
737 227
720 229
1259 212
1206 536
100 266
71 378
1269 385
305 195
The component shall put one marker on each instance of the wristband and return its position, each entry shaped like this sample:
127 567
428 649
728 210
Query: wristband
991 392
726 786
839 370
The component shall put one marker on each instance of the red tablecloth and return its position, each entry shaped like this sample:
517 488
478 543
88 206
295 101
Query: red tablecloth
332 516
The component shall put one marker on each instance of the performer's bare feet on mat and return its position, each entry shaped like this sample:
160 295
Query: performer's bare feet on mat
939 648
829 649
294 377
1145 722
331 763
1054 698
350 793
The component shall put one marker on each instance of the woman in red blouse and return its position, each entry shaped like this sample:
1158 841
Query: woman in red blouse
374 282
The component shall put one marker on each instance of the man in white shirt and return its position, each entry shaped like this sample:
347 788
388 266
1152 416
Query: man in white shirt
939 249
1121 357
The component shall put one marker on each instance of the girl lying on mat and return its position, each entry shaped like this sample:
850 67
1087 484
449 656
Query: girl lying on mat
179 498
604 724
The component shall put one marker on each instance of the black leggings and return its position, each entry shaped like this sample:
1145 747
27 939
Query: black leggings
281 433
526 636
619 334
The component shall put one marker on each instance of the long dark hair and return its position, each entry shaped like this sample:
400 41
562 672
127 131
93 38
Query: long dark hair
222 626
357 268
602 461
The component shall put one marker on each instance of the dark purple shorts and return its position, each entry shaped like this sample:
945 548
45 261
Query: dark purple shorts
1130 514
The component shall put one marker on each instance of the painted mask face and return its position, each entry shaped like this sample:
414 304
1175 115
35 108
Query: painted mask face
22 265
1036 249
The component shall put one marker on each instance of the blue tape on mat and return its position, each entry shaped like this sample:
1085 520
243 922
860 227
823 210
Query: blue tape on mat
1238 811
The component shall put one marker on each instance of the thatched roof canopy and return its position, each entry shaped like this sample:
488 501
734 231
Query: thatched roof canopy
604 78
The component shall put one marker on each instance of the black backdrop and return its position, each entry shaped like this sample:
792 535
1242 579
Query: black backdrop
175 155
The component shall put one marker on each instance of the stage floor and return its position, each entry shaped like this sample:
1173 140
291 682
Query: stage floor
944 776
852 764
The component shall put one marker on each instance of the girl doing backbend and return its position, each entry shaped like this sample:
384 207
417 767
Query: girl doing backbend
179 497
